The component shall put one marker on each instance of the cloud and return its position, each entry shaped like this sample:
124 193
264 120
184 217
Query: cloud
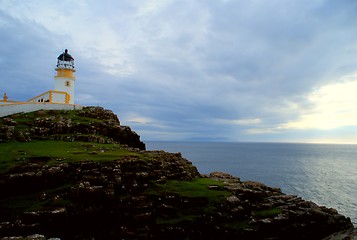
232 70
24 57
334 107
241 122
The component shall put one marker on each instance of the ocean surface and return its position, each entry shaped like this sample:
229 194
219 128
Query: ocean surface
323 173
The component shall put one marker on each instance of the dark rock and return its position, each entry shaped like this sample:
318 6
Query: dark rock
109 201
91 124
350 234
128 198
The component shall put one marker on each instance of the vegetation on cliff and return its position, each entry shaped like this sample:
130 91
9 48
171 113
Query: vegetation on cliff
52 152
80 175
91 124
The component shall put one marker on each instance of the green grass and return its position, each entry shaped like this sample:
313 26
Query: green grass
238 225
200 199
17 204
268 212
13 153
243 224
176 220
196 188
25 120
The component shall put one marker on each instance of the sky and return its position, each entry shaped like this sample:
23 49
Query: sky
195 70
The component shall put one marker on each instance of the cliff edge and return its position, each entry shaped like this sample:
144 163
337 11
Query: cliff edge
90 124
67 175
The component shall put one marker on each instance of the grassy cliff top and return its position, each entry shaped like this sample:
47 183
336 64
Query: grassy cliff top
90 124
81 175
51 152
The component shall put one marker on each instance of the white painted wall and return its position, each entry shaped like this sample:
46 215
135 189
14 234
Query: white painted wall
9 109
58 97
7 102
60 85
44 97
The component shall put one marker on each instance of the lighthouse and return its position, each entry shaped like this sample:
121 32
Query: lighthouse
60 98
64 78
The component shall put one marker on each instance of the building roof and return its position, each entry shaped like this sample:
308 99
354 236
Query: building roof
65 56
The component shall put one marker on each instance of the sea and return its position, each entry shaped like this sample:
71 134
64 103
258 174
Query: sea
323 173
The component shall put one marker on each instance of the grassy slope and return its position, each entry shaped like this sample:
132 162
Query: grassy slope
13 153
23 120
196 200
51 152
204 200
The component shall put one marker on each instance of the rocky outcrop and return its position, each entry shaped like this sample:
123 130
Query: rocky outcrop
275 215
90 124
119 200
349 234
139 194
81 200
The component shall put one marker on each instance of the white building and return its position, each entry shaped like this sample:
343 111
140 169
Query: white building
61 98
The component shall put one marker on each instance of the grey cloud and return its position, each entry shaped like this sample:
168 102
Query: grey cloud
194 61
25 54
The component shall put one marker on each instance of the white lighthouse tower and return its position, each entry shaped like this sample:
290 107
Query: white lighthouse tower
65 79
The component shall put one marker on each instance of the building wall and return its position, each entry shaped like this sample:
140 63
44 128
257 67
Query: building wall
59 97
2 102
64 84
24 107
44 97
52 97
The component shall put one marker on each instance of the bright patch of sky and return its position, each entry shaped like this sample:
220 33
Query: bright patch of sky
195 70
334 106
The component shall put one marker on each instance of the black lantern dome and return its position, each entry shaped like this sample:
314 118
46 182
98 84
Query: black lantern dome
65 60
65 56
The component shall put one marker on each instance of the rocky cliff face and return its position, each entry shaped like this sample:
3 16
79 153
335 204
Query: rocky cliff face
91 124
128 199
88 199
137 194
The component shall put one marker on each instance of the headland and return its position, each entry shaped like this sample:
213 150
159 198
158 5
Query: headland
80 174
